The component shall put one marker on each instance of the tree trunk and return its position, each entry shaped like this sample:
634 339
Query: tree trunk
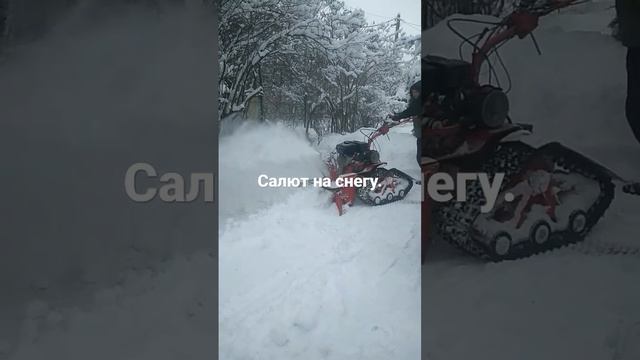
262 95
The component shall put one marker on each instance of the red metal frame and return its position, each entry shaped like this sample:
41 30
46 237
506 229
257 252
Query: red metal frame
384 129
518 23
347 195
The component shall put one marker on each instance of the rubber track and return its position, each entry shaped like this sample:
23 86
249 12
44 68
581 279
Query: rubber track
367 196
454 220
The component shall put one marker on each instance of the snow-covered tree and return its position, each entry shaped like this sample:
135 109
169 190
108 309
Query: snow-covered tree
314 63
251 31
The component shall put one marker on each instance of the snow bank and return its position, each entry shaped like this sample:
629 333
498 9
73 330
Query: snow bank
256 149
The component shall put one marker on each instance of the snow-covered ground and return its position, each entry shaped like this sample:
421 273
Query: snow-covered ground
297 280
576 303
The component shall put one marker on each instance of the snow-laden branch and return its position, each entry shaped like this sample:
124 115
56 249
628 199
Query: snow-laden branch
312 60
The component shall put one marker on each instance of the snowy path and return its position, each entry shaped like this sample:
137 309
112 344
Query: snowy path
298 281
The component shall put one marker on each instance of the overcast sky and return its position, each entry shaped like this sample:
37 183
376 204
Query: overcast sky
381 10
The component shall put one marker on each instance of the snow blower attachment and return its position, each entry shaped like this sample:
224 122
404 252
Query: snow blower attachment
356 159
550 197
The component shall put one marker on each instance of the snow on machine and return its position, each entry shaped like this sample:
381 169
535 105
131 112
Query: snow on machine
551 196
358 159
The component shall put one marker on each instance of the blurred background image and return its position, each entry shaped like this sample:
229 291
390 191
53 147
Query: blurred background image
556 297
87 89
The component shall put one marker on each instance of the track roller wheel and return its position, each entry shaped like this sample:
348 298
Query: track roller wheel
501 245
578 222
540 233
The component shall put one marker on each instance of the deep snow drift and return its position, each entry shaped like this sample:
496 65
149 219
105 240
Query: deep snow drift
297 280
576 303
